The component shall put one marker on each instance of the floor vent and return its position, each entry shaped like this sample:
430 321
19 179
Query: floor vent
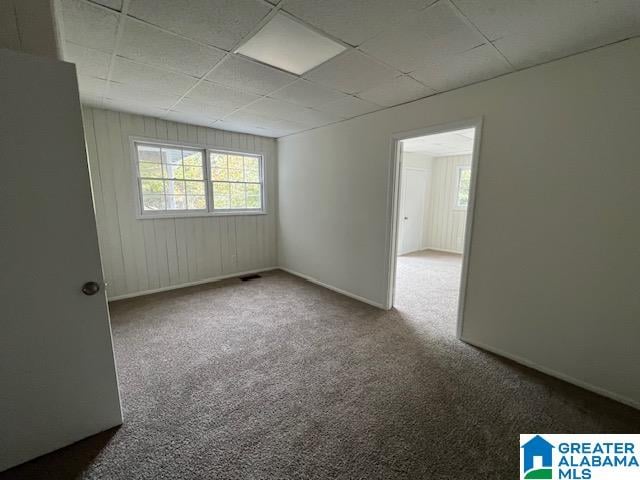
246 278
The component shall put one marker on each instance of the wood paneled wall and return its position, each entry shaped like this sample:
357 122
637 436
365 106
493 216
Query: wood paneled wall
142 255
444 224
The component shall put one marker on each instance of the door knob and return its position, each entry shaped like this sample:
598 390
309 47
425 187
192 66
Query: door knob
90 288
406 218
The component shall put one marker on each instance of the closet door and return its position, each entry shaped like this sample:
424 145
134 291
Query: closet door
57 368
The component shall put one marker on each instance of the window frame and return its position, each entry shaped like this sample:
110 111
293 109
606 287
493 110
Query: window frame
456 203
206 150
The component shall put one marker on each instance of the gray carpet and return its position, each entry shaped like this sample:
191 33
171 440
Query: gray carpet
279 378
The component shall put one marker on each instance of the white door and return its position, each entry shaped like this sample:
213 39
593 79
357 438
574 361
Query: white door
57 373
414 184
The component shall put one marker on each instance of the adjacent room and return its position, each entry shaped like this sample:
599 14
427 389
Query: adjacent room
434 193
302 239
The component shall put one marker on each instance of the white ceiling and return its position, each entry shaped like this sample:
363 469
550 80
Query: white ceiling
459 142
173 58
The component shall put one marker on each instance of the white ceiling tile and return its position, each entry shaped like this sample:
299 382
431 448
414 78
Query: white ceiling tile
353 21
293 113
89 25
112 4
348 107
151 78
141 94
91 88
232 126
88 61
529 33
434 34
307 94
246 75
221 97
351 72
189 118
315 118
221 23
147 44
131 106
399 90
469 67
248 120
199 109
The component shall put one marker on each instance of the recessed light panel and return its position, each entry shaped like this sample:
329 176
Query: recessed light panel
289 45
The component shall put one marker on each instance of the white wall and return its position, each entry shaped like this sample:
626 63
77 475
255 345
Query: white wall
416 160
444 223
150 254
555 255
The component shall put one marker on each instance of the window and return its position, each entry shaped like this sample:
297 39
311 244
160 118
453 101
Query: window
236 181
181 180
463 185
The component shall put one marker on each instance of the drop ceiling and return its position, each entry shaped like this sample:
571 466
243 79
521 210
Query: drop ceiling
459 142
174 59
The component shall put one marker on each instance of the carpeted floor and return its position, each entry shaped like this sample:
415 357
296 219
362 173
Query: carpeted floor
279 378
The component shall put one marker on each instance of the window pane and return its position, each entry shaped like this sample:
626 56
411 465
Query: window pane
153 202
235 175
195 188
192 172
218 160
221 174
174 187
196 202
254 197
192 157
464 182
150 170
221 195
173 171
236 161
251 175
148 154
251 163
176 202
238 199
152 186
172 156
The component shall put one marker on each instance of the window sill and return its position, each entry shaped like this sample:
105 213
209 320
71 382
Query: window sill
236 213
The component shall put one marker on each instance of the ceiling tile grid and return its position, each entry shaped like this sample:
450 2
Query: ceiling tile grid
307 94
146 44
351 72
469 67
435 33
89 25
353 21
349 107
219 23
529 33
175 58
248 75
400 89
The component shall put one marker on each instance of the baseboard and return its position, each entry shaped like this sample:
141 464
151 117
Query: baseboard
444 250
574 381
335 289
188 284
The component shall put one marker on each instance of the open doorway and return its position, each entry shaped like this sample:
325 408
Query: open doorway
434 193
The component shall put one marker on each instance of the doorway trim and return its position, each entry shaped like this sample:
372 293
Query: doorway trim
395 190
